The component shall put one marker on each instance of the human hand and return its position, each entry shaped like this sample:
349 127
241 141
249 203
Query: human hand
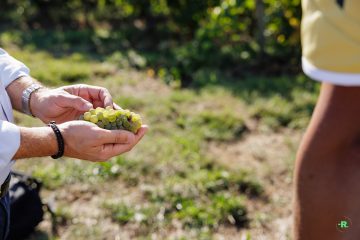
85 140
69 102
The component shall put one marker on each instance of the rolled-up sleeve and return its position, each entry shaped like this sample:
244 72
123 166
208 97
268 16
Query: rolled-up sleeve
10 68
9 142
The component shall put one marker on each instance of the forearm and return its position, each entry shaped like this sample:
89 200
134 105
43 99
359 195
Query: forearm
36 142
16 88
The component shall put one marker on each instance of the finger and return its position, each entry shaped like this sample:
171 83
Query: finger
106 97
99 93
117 149
92 93
97 104
110 150
141 132
116 106
116 136
68 100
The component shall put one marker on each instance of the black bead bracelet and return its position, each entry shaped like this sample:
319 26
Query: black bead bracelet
59 138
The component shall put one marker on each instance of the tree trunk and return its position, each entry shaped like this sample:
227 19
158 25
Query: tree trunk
260 25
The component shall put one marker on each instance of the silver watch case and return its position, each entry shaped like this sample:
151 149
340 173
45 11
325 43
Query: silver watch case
25 98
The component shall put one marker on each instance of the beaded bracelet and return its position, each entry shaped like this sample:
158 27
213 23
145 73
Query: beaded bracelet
59 138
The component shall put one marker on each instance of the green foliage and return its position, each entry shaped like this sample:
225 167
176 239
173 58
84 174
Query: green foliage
293 112
219 125
223 209
121 212
51 176
130 102
129 170
191 42
205 198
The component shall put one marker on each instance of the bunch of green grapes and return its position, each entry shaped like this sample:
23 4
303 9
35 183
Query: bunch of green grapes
113 119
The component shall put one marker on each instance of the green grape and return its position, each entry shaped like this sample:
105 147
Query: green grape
94 119
118 112
126 124
135 117
108 108
100 124
105 121
87 116
113 119
99 109
111 115
123 118
127 113
100 115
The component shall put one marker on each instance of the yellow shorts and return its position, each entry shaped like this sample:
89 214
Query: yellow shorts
330 36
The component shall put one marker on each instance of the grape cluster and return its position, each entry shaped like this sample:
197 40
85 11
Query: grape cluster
113 119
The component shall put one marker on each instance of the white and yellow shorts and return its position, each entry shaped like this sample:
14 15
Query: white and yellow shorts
330 36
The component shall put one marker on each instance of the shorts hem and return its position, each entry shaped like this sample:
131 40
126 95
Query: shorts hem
336 78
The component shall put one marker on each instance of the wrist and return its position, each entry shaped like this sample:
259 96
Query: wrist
34 101
36 142
59 140
51 138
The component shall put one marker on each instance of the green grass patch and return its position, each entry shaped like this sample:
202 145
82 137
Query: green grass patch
129 102
278 111
219 125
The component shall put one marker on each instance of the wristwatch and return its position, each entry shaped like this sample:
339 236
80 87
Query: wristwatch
25 98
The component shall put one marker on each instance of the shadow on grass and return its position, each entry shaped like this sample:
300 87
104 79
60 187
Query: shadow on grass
249 87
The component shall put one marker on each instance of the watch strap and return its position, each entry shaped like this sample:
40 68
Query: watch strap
25 98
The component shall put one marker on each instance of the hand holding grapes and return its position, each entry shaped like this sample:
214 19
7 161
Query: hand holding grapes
85 140
82 139
67 103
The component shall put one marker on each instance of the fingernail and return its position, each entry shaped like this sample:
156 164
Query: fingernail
87 106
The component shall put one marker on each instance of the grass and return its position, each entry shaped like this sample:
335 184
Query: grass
173 182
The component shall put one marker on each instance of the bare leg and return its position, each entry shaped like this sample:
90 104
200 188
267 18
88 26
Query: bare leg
327 171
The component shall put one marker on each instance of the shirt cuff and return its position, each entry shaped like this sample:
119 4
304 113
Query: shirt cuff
9 142
11 68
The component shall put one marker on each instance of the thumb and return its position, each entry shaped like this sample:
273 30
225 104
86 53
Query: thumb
76 102
117 136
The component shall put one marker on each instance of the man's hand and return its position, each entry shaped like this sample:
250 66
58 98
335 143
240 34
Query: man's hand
68 103
87 141
82 139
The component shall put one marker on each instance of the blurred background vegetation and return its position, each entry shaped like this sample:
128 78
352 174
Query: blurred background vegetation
189 42
219 83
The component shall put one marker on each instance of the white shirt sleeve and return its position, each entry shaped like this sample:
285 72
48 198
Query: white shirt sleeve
9 142
10 68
